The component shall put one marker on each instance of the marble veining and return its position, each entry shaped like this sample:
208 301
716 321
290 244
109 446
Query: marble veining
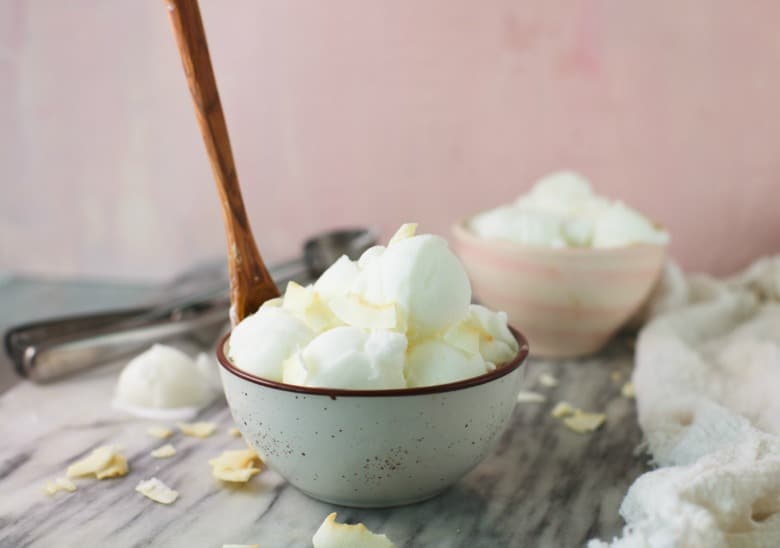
542 486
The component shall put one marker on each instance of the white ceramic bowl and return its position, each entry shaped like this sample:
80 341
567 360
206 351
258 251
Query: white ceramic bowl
373 448
568 302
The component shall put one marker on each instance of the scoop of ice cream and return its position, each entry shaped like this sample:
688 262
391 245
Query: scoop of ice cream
557 193
522 226
415 284
260 343
620 225
163 377
353 293
368 282
497 345
310 306
350 358
427 281
561 210
337 279
437 362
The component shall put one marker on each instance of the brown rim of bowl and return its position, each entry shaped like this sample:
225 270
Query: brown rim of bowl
333 393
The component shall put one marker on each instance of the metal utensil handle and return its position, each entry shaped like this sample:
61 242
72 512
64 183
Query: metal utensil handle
48 350
85 325
45 363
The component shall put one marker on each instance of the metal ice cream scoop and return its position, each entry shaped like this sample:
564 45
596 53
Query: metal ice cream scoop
49 349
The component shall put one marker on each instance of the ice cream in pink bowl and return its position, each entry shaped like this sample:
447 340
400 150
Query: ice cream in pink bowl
569 267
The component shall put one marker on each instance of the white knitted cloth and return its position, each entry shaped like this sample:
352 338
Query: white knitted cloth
707 383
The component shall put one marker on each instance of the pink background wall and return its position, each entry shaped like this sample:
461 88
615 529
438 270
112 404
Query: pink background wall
354 112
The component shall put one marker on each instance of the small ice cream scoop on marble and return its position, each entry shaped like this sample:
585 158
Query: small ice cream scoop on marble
398 317
164 383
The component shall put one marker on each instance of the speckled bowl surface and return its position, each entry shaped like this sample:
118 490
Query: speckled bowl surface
568 302
373 448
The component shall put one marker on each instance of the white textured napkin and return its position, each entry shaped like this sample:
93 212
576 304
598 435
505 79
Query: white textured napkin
707 382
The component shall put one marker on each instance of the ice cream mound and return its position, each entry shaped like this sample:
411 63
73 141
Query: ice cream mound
164 383
562 210
398 317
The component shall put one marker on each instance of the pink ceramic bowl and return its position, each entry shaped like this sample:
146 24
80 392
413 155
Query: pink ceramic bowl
568 302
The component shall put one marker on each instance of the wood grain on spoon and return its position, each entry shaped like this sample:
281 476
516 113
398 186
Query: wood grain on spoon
250 283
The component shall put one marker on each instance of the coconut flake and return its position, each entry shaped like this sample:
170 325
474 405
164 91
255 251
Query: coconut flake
157 491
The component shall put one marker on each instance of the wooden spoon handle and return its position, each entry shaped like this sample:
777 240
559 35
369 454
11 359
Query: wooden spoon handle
250 283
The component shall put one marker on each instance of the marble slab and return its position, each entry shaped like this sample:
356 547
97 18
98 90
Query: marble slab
544 486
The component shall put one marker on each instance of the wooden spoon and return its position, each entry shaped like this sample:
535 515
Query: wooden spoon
250 283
